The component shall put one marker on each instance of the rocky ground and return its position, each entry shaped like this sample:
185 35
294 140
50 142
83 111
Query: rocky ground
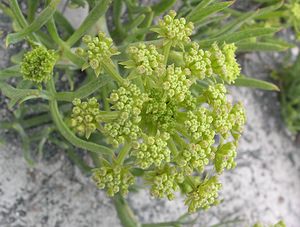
265 186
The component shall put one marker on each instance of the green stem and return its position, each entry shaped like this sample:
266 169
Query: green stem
126 215
99 10
110 69
32 7
65 50
190 181
19 17
166 51
82 92
162 224
123 153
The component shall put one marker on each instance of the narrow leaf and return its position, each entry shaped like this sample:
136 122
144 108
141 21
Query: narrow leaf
261 46
240 35
20 95
97 12
162 6
255 83
45 15
7 73
201 15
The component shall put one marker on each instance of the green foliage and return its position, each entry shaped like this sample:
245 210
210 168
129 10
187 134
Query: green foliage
153 103
289 81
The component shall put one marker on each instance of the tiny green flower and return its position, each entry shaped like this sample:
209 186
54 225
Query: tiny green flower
37 65
176 84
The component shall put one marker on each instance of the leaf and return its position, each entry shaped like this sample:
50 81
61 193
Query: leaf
235 24
162 6
262 46
270 9
255 83
7 73
21 95
45 15
201 15
239 36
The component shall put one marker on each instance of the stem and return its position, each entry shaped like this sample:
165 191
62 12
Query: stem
110 69
190 181
166 50
162 224
82 92
125 214
20 18
123 153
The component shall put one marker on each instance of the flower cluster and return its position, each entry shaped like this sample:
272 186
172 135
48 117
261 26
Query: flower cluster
114 178
176 84
37 65
173 30
195 156
85 116
224 63
164 182
169 112
224 157
153 150
128 101
199 124
204 195
197 61
99 49
145 59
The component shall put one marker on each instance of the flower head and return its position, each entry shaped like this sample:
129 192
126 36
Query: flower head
85 116
224 62
204 195
176 31
98 49
197 61
145 59
114 178
37 65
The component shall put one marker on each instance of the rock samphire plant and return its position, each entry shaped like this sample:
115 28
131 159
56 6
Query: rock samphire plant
149 104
